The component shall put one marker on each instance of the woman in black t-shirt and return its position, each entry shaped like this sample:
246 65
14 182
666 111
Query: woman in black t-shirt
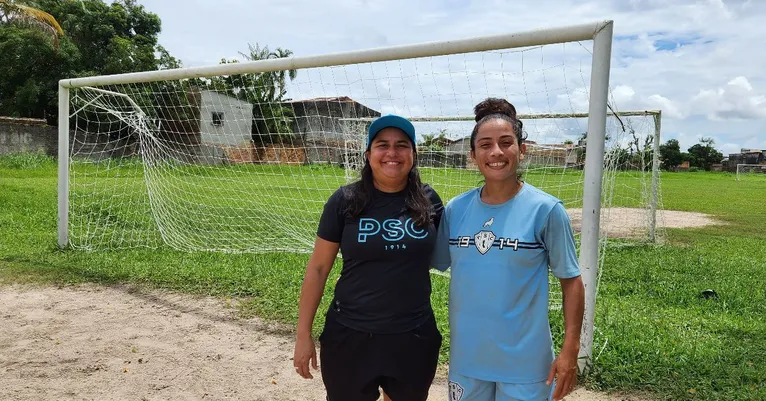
380 330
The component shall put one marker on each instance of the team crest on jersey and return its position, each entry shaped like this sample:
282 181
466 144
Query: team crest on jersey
484 240
455 391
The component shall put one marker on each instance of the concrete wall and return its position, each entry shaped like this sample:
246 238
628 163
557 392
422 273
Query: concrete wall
19 135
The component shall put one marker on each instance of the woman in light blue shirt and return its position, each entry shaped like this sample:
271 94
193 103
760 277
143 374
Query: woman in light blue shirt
500 241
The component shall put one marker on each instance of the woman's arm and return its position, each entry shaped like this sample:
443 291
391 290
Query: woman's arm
314 280
573 293
565 366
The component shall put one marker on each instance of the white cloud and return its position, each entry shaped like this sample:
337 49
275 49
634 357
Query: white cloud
622 94
719 4
729 148
736 100
668 107
577 100
755 143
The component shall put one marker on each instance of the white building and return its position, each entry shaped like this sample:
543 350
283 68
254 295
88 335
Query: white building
225 128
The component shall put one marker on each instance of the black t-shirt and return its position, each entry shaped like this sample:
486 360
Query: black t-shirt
385 286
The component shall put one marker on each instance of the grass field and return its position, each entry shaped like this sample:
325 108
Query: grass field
658 335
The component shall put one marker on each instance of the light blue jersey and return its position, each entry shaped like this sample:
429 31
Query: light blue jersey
499 257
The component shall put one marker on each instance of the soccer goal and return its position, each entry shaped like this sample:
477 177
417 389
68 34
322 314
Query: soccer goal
241 157
751 171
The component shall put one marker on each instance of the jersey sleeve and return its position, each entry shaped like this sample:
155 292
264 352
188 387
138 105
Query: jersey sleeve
440 259
559 241
333 218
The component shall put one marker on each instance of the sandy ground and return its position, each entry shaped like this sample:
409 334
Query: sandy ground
121 343
623 222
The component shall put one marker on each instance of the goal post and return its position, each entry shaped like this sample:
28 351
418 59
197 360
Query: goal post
655 177
594 169
63 167
751 170
154 121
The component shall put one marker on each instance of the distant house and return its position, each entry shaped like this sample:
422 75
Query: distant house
330 128
197 126
462 145
457 151
208 127
551 155
225 127
320 129
221 129
446 153
745 156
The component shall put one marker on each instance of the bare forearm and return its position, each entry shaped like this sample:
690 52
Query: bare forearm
311 294
573 293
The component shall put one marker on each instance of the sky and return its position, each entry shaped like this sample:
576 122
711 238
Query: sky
700 61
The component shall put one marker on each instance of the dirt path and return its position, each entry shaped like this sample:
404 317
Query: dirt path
96 343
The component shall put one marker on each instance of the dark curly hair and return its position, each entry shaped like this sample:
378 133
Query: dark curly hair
492 108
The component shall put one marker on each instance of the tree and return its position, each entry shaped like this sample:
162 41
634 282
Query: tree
266 91
670 153
101 39
620 157
640 152
30 68
18 11
273 84
272 119
434 142
118 37
582 142
703 155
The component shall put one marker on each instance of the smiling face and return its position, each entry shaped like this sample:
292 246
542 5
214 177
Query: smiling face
391 158
497 151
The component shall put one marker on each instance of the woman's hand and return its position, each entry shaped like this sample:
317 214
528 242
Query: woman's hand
305 352
564 369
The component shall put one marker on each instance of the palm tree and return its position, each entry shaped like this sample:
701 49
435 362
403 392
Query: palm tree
267 92
273 83
19 11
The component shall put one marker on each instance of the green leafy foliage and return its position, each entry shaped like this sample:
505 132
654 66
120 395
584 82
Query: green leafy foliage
100 38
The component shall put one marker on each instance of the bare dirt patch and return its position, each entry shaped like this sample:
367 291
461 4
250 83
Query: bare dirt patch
119 343
623 222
